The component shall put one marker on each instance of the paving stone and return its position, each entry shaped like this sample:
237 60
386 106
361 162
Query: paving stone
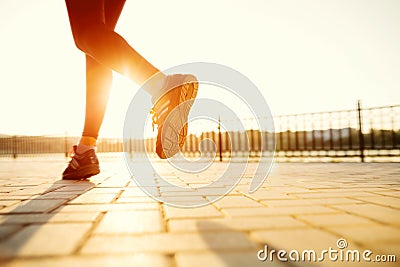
390 193
139 259
135 200
309 201
7 230
202 212
58 195
368 233
78 189
221 259
37 190
183 199
242 224
5 203
335 219
237 201
351 188
293 188
133 192
91 198
114 183
372 211
263 195
299 206
278 211
12 197
334 194
132 222
44 240
107 207
105 190
33 205
9 189
299 239
183 194
171 189
387 201
167 243
48 218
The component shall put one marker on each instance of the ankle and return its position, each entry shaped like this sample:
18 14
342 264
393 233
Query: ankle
155 85
85 144
88 141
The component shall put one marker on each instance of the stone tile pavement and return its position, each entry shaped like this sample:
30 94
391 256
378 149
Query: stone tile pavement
109 221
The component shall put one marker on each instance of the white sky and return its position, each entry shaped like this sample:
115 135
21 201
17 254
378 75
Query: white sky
304 56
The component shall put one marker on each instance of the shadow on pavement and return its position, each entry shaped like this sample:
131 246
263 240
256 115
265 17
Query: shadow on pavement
19 224
230 247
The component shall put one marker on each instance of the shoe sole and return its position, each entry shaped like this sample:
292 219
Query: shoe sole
187 96
83 173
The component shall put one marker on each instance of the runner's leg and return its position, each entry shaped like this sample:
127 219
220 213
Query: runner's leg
103 44
98 82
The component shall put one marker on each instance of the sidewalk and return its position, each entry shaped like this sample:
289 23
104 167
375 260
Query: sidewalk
109 221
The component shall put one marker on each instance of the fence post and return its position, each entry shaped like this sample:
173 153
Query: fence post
66 145
360 133
130 148
14 146
219 139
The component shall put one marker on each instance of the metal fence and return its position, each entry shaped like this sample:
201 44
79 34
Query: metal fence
360 132
368 132
17 146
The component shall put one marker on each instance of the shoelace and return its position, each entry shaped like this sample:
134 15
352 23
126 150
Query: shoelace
154 118
72 152
162 109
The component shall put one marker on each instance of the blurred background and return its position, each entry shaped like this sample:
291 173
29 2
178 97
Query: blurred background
311 60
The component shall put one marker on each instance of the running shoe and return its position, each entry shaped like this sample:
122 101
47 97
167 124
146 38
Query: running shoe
81 166
170 113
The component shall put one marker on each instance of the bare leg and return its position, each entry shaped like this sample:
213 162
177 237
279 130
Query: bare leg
98 84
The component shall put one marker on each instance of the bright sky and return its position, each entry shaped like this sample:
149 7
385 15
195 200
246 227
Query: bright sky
304 56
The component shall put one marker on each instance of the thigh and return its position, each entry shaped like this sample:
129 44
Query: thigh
112 11
85 13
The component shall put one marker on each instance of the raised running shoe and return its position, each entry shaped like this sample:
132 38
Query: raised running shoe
170 113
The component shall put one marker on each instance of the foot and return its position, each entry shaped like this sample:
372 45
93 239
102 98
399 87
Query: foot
82 166
170 113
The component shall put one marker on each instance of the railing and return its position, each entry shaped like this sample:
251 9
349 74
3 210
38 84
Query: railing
16 146
368 132
360 132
